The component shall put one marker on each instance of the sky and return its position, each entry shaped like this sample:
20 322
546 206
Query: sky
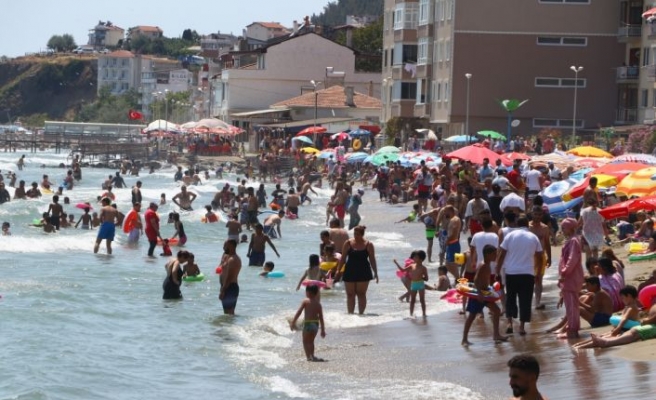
28 24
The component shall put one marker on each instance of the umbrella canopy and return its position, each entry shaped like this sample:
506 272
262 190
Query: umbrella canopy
325 154
635 158
619 169
589 151
340 136
581 174
356 157
512 200
310 150
163 126
359 132
492 135
312 130
515 156
211 123
623 209
303 139
476 153
188 125
559 160
638 183
591 162
388 149
430 135
603 181
552 196
461 139
382 158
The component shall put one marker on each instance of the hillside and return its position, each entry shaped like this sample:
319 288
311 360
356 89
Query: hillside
34 89
335 12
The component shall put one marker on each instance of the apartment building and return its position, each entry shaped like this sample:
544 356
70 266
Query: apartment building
521 49
636 77
105 34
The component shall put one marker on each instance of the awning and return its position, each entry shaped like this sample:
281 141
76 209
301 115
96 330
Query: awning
308 122
259 112
649 13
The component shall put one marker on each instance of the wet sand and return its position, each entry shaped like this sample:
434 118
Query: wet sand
430 350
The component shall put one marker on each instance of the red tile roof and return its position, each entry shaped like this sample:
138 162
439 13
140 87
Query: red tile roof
333 97
147 28
119 54
270 25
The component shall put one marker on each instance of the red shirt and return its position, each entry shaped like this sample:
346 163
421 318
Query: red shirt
515 179
152 224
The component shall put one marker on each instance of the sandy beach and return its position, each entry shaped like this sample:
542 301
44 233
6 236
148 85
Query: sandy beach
429 351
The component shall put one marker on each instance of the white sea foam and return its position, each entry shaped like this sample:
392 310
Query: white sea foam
278 384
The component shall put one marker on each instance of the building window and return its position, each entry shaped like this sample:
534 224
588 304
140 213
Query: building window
562 41
644 98
398 17
434 90
411 15
422 51
565 1
442 9
439 11
424 12
447 50
408 91
560 82
646 56
440 49
556 123
436 50
447 94
448 5
438 92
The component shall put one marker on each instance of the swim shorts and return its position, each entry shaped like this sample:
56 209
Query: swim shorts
133 236
646 332
339 210
230 296
600 319
182 240
441 238
303 198
543 269
417 285
311 326
430 233
106 231
234 237
475 227
256 259
424 195
470 276
270 231
451 251
252 217
55 221
293 210
474 306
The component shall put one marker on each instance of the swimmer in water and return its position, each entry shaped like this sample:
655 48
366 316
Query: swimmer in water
166 249
184 199
5 229
85 219
191 268
179 230
313 321
210 217
234 228
108 216
162 199
268 267
244 238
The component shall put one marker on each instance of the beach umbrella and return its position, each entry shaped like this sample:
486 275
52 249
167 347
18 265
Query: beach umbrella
461 139
515 156
312 130
603 181
162 126
622 210
591 162
554 192
340 136
310 150
430 135
382 158
635 158
512 200
359 132
303 139
476 153
589 151
562 208
388 149
356 157
492 135
638 183
325 154
619 169
211 123
188 125
581 174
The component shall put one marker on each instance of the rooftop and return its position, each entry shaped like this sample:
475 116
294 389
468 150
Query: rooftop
119 54
147 28
333 97
269 25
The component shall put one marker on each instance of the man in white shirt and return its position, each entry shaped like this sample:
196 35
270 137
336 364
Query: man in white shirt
520 256
554 173
480 240
473 211
533 184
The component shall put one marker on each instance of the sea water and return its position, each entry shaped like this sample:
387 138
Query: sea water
75 325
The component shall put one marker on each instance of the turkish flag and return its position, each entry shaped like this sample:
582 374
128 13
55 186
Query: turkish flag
134 115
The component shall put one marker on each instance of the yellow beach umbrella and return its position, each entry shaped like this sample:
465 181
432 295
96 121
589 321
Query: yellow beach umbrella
311 150
638 183
589 151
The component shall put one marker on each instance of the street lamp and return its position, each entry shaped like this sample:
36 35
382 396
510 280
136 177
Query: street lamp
576 86
316 106
468 76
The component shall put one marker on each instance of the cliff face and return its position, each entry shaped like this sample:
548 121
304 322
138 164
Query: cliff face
56 87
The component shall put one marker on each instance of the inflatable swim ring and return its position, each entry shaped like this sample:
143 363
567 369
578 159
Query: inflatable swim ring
195 278
646 295
636 247
172 242
615 320
452 296
275 274
466 288
642 256
357 144
218 270
289 215
46 191
320 284
400 274
268 212
274 206
130 222
460 258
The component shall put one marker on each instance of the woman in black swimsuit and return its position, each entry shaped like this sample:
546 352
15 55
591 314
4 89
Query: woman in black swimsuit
359 259
174 272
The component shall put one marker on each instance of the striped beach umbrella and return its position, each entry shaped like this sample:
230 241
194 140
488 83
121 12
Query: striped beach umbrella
635 158
638 184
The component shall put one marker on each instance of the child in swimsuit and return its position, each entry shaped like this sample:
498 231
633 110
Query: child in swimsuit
5 229
313 321
404 274
443 282
268 267
418 277
210 217
313 273
191 268
179 230
166 249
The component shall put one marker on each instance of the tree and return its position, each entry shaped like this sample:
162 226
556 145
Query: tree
190 36
368 42
62 43
335 12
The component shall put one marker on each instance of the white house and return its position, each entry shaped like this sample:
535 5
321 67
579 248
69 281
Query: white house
265 30
105 34
285 69
121 70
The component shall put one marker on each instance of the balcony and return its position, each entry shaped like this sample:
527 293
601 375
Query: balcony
650 72
624 116
629 32
627 74
423 110
650 116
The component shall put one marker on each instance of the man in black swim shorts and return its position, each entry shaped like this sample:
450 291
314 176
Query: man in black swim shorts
231 265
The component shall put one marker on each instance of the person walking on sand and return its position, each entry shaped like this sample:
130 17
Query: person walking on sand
108 216
521 254
231 266
524 373
359 261
312 322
